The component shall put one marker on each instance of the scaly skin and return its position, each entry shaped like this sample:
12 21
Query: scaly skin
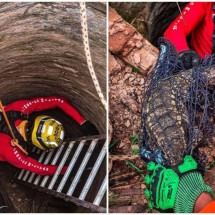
166 117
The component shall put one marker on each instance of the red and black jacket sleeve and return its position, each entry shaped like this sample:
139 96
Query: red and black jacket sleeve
15 156
46 103
185 23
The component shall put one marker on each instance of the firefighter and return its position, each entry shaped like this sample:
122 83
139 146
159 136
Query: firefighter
182 187
43 131
197 20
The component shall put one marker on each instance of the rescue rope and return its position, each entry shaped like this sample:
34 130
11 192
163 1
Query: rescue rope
181 13
14 142
87 52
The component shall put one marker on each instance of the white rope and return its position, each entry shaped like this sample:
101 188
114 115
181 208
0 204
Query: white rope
87 52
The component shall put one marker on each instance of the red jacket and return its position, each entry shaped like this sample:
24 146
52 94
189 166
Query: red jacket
196 18
15 156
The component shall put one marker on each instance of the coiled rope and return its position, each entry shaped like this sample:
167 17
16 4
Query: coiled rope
87 52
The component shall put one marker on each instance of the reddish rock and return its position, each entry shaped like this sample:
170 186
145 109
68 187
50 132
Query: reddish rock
129 45
119 32
136 58
114 65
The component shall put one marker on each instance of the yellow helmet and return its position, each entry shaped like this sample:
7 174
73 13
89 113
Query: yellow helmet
47 133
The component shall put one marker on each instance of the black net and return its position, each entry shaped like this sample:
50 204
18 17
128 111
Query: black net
177 109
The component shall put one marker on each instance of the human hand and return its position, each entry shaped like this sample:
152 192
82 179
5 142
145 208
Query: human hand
14 142
189 59
89 129
177 188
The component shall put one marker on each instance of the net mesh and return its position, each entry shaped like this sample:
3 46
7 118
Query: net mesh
177 109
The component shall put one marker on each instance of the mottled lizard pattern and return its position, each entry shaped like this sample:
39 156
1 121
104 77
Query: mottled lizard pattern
166 118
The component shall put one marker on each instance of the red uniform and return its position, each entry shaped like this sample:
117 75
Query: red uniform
196 18
15 156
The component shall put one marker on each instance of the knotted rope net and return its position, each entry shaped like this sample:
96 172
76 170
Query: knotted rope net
177 109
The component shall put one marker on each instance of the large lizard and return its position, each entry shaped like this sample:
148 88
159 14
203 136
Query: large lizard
166 115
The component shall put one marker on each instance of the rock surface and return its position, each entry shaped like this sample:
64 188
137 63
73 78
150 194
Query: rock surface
129 45
125 83
131 58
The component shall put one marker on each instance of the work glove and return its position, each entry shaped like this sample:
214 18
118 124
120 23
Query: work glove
89 129
175 188
189 59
